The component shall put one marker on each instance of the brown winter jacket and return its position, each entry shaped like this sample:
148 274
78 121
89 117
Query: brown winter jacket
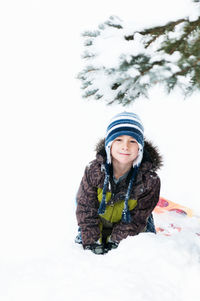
145 192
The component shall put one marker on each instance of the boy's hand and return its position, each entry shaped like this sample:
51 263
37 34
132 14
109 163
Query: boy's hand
110 245
96 248
99 249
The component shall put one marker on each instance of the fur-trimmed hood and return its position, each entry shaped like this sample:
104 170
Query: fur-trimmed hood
151 155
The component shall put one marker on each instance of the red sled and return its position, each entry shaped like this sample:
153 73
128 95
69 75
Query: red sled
171 227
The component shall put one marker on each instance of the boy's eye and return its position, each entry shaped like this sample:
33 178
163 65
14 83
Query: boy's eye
133 141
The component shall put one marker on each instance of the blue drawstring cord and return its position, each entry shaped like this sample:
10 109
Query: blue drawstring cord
102 206
126 216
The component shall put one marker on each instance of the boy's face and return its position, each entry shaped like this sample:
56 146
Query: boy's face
124 150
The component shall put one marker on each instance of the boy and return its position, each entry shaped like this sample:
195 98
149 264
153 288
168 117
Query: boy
120 188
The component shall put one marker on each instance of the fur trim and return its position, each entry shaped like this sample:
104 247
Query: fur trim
100 148
151 153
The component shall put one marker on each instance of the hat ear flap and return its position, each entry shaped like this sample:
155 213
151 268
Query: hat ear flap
108 152
138 160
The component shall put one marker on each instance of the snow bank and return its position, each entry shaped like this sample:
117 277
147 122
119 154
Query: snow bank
145 267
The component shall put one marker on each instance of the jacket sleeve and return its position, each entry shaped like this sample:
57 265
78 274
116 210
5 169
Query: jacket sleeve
87 210
146 202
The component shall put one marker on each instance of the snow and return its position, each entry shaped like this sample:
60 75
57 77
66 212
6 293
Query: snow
48 134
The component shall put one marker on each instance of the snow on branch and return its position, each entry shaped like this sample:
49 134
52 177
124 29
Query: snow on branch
121 63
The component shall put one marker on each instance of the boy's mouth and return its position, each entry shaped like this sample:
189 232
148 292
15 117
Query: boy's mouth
124 154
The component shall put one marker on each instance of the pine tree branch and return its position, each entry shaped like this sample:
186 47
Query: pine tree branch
156 31
169 54
187 69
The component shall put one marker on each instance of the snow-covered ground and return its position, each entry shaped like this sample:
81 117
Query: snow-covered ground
47 136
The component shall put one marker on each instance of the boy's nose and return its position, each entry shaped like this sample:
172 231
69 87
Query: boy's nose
125 145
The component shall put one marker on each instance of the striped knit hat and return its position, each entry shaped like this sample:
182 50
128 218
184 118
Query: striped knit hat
129 124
